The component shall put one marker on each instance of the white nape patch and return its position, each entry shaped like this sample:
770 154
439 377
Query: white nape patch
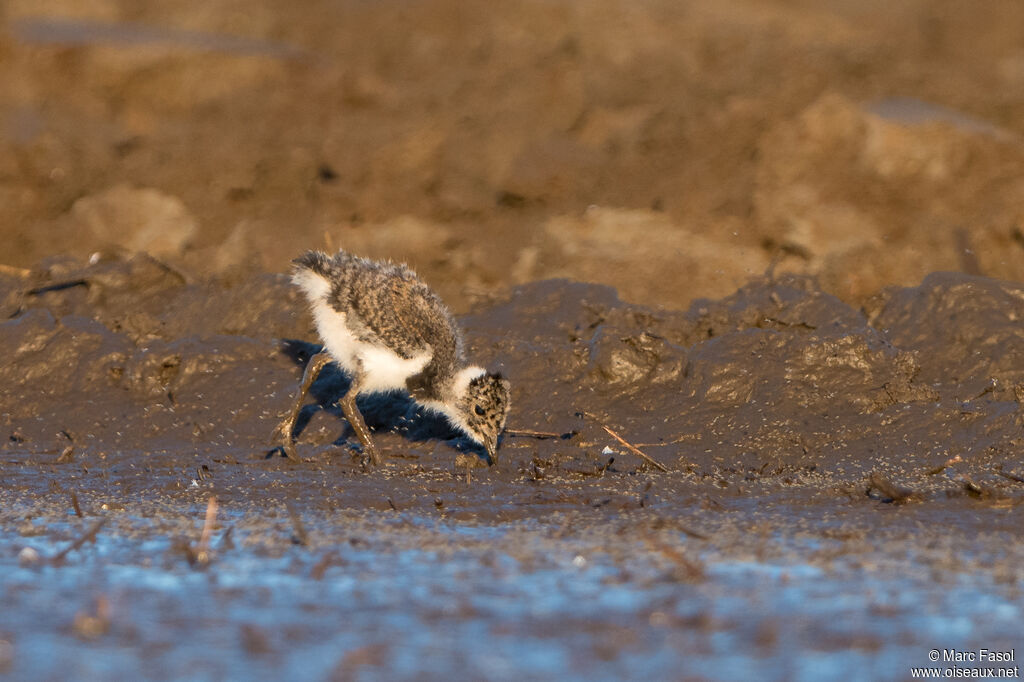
459 388
463 377
383 369
314 285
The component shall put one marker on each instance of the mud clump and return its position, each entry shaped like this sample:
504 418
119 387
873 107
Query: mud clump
133 219
780 370
971 323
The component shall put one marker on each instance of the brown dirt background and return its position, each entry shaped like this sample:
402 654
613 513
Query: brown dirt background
790 237
867 143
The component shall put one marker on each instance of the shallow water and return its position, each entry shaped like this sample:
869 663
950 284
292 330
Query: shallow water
408 596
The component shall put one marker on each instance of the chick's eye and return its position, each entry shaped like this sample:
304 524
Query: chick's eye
479 410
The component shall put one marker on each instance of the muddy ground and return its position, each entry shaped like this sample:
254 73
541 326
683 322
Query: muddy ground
801 224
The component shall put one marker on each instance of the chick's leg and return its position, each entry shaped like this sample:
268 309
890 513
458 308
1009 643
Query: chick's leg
355 418
283 432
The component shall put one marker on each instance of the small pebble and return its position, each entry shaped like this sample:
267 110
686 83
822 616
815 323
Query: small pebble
28 557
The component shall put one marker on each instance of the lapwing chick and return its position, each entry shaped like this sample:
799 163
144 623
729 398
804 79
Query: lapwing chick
390 332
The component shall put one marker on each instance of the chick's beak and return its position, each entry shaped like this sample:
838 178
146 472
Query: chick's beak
492 450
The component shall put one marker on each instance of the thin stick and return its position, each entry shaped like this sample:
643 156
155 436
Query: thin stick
320 567
635 450
896 493
300 537
1012 477
692 569
527 433
211 519
692 533
632 448
225 539
74 503
688 436
89 535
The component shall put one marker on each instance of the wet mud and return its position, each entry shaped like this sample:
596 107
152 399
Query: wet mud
816 476
753 269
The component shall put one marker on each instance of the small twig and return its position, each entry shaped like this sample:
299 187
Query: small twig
89 535
200 555
684 437
635 450
225 539
691 570
91 626
528 433
74 503
945 465
660 522
692 533
1012 477
300 537
632 448
896 493
204 539
321 566
974 488
58 286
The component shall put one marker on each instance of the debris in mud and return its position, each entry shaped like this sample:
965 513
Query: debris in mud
984 491
528 433
88 536
945 465
6 656
683 568
200 554
467 462
326 561
28 556
891 492
255 640
1010 475
92 625
66 455
299 536
632 448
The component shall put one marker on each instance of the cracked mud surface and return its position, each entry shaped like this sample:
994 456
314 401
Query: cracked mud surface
804 229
